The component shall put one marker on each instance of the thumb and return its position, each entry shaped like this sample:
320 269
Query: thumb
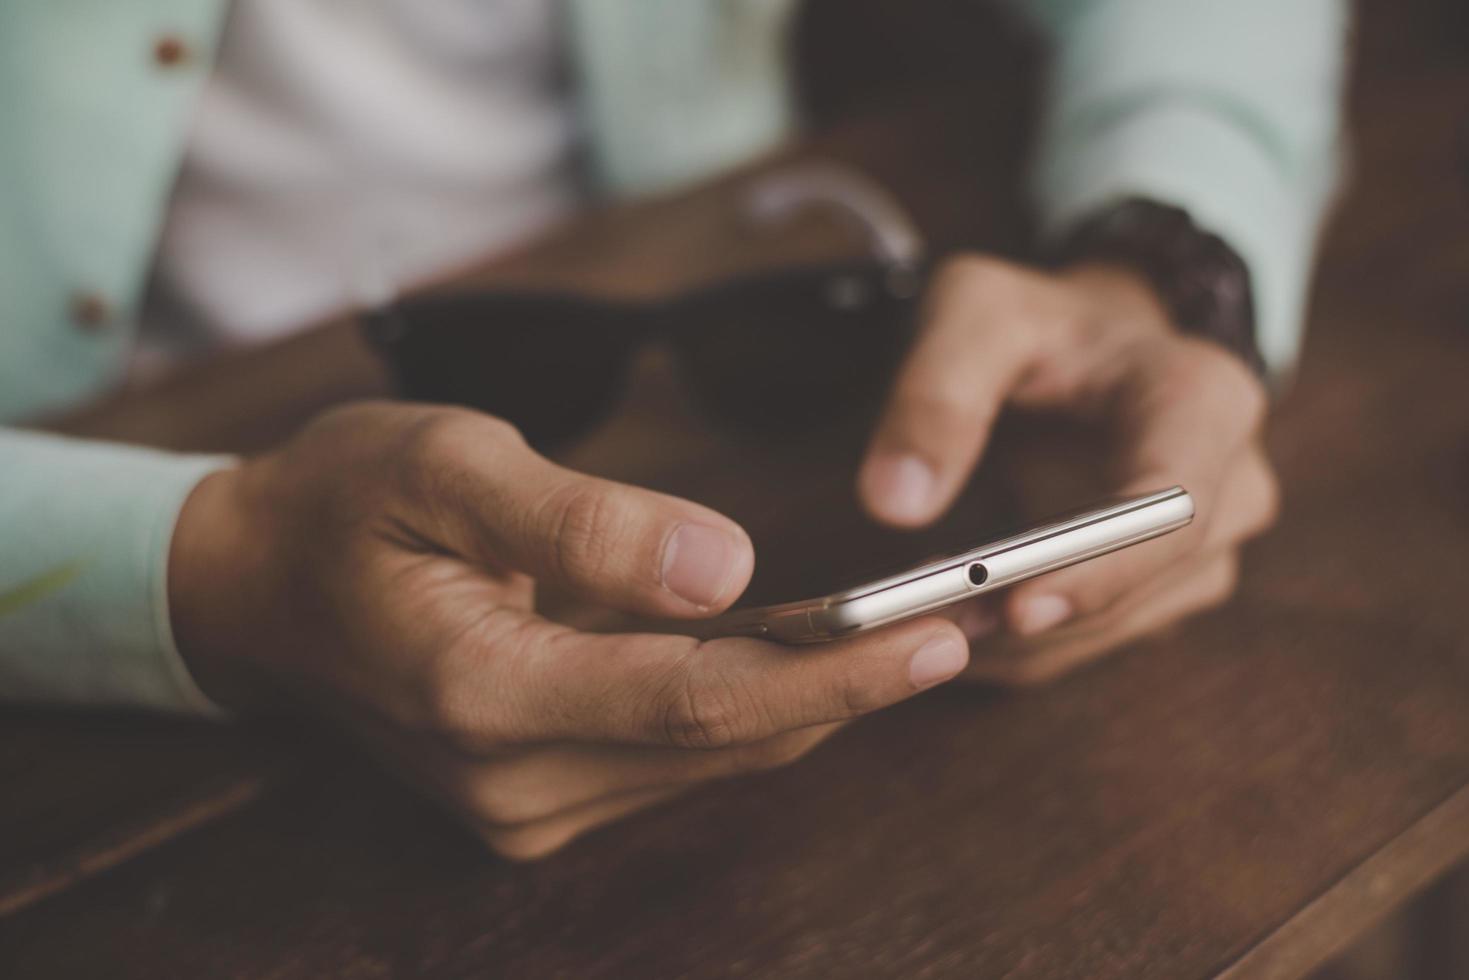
500 502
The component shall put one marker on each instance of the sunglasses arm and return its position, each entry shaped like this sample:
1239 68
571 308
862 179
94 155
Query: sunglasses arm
891 233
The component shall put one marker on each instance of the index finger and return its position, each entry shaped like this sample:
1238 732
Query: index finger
538 682
967 357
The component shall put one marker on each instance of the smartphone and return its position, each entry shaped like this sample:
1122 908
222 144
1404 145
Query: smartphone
1076 537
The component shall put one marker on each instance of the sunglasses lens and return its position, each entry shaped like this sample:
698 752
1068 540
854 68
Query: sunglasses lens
548 364
798 351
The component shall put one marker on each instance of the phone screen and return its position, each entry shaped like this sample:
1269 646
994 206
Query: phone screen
808 559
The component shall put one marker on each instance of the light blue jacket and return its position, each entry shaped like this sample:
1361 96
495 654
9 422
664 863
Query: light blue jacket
1229 108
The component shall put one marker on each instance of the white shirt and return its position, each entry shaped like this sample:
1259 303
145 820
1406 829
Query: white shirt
344 149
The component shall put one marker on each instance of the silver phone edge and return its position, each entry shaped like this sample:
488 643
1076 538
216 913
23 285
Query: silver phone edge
1007 562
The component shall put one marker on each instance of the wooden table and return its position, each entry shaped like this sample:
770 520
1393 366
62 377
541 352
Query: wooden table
1240 798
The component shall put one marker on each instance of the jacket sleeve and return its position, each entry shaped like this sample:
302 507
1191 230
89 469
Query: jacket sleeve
1230 110
85 530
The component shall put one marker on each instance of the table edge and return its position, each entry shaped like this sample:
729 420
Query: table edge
1329 923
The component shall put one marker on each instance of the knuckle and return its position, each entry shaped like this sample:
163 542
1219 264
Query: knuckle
854 698
435 445
1035 316
701 713
435 436
583 530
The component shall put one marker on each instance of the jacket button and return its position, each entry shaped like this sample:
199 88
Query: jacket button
90 311
170 51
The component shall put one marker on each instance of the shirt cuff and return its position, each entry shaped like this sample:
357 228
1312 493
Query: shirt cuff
1192 158
85 532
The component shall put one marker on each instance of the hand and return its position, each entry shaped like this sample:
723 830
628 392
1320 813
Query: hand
1093 343
380 569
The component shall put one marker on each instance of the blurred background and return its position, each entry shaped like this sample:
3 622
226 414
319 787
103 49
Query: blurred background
1296 755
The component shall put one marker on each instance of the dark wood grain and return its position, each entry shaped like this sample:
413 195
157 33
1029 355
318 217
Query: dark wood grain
1240 797
1151 818
85 792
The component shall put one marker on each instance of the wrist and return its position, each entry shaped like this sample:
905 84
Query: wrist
209 579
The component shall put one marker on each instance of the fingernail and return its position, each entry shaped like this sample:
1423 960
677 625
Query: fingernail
698 562
1041 613
977 621
899 488
938 660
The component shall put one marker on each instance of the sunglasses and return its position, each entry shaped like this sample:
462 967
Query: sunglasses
768 353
